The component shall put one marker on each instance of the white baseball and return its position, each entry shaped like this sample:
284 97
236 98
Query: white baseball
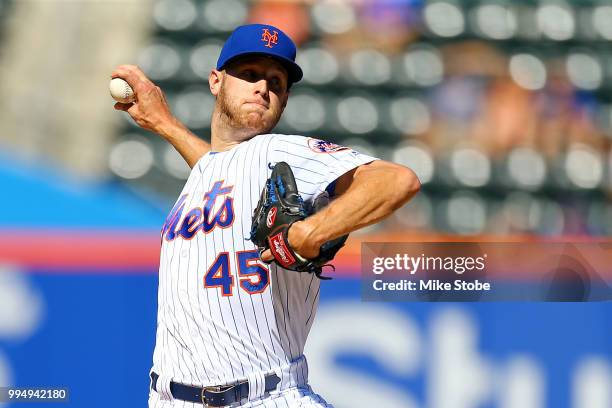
121 91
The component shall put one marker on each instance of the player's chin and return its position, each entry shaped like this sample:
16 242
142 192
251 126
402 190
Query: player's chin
259 123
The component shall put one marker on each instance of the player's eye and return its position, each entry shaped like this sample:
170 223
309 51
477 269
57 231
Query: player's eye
248 74
276 83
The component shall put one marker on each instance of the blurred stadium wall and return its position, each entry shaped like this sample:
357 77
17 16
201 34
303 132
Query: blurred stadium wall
55 61
502 107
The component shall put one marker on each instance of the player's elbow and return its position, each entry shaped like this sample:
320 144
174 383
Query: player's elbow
406 185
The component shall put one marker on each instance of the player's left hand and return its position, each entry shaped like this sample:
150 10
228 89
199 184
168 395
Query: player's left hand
298 237
279 229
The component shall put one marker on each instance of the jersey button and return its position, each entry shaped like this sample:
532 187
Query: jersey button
185 253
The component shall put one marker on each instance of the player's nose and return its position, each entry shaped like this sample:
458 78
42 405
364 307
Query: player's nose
262 88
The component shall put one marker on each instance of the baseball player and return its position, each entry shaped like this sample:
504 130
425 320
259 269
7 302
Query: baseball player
232 322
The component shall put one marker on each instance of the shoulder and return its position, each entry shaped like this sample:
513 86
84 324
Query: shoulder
278 137
298 142
278 141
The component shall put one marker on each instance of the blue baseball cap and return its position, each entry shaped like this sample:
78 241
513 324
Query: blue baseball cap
261 39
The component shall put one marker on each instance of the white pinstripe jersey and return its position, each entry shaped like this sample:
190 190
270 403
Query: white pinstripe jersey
222 313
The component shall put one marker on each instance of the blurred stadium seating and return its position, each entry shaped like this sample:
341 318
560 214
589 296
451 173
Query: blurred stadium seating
503 108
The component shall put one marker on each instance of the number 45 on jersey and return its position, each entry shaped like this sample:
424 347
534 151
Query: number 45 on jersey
253 276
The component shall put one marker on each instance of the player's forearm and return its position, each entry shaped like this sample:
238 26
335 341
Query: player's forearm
374 194
190 146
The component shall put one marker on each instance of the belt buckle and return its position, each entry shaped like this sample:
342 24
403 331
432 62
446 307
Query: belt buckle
215 389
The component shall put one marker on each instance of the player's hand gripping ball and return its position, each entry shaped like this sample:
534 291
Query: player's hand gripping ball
279 206
121 91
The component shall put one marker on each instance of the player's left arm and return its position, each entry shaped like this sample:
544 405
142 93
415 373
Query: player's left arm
366 195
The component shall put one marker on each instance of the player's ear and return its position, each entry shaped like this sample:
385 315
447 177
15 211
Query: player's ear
215 79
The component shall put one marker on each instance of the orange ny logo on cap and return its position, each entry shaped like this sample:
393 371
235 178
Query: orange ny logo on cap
271 39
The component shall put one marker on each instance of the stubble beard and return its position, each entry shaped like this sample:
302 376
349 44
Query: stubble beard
248 123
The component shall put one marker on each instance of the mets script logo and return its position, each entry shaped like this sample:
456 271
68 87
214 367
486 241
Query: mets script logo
271 217
321 146
270 39
203 218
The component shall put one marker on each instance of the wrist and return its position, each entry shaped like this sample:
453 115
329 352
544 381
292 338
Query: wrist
171 129
302 239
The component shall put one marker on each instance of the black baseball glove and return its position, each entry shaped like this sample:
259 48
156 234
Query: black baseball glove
279 206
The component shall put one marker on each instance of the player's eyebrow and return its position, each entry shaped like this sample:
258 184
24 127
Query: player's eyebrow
273 68
257 63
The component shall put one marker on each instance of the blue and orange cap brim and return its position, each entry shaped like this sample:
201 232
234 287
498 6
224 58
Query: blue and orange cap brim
294 71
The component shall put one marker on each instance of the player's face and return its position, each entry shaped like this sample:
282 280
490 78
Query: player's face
253 93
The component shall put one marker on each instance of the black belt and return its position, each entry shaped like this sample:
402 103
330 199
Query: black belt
217 396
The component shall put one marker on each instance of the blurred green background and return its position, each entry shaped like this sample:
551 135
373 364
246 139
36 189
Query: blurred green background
503 108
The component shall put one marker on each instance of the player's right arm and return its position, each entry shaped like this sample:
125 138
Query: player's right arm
151 112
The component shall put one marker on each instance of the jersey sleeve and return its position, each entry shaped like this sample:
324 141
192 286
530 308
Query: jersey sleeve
316 164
